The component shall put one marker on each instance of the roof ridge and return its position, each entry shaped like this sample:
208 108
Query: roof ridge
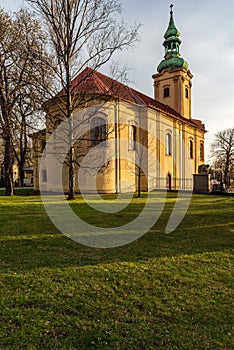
99 83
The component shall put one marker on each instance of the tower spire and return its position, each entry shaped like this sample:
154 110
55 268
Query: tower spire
172 83
172 58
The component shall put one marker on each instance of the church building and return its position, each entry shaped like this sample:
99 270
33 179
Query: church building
129 141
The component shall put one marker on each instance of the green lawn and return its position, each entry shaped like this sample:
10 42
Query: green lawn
163 291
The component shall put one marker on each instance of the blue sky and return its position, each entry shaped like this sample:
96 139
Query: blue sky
206 29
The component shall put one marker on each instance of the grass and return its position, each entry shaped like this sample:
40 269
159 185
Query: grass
163 291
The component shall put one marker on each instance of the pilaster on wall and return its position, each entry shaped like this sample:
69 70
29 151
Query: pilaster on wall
182 156
158 147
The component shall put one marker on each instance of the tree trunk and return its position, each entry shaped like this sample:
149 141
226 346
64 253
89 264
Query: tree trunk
8 163
21 174
226 170
71 191
23 149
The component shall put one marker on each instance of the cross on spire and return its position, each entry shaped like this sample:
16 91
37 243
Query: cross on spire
171 9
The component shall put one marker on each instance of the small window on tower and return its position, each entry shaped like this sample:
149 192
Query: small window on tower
166 92
186 93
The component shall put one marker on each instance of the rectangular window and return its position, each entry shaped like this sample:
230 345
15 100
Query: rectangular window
44 175
166 92
98 131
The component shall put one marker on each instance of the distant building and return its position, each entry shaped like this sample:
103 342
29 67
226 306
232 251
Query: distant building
163 124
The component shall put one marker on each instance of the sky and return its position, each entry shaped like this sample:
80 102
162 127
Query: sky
206 28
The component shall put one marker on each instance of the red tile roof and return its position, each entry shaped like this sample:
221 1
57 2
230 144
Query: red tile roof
93 82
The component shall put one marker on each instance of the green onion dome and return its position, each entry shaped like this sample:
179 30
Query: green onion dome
172 43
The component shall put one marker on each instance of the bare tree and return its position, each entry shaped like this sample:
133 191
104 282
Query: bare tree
20 138
222 152
2 181
82 33
20 38
26 120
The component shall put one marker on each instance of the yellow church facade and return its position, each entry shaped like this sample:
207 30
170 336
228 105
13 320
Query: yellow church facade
124 140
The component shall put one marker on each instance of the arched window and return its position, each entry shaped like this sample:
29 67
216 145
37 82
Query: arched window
175 47
169 48
201 151
168 144
190 149
166 92
97 131
132 137
186 92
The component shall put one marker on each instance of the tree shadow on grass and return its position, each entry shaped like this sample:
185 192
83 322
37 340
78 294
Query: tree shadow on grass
36 243
58 294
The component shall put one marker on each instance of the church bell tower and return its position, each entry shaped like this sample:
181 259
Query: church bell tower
172 83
